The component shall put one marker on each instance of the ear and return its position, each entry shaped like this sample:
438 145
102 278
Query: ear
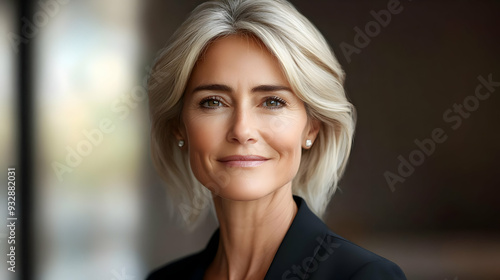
311 132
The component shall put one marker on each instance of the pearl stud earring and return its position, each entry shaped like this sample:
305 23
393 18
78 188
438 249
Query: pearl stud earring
181 143
309 143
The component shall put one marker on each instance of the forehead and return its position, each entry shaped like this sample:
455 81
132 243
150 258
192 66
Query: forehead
237 57
228 43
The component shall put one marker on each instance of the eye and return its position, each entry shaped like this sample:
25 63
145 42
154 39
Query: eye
274 103
211 102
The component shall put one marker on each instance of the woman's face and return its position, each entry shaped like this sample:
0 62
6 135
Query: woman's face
243 126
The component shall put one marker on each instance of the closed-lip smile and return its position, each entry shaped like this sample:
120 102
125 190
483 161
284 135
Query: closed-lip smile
243 161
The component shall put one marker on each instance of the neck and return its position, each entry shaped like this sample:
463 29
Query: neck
250 233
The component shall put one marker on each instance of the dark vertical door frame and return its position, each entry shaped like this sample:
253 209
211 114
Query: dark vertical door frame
24 174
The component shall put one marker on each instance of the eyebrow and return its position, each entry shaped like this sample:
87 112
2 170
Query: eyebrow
224 88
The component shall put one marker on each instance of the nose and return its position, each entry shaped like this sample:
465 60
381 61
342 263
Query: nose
243 127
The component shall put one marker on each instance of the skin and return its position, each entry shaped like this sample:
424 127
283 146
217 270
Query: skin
250 111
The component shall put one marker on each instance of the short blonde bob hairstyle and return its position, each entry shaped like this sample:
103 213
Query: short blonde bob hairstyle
307 62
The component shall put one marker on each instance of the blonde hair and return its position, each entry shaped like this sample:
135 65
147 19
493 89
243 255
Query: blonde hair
307 62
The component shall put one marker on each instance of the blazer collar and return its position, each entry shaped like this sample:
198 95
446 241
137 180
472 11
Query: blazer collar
304 236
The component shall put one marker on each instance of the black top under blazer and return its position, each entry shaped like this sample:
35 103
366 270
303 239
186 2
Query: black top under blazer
309 250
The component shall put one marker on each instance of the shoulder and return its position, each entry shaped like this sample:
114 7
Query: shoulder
382 269
346 260
310 250
178 268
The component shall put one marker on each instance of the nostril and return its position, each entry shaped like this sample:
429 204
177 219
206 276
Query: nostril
243 140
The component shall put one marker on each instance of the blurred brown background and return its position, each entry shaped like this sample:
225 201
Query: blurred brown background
107 218
442 221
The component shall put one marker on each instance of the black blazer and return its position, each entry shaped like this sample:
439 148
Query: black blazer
309 250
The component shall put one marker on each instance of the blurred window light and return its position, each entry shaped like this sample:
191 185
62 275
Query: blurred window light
89 140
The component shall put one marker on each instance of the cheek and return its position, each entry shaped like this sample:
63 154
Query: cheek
203 136
201 130
285 135
281 129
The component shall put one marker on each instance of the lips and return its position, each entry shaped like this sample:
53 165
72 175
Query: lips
243 161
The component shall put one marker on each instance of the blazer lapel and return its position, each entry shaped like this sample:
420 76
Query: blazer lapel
302 244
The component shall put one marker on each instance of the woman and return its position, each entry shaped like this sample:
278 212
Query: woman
249 116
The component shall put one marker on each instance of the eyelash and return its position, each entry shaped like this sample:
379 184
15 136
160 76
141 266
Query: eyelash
277 99
211 98
221 101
